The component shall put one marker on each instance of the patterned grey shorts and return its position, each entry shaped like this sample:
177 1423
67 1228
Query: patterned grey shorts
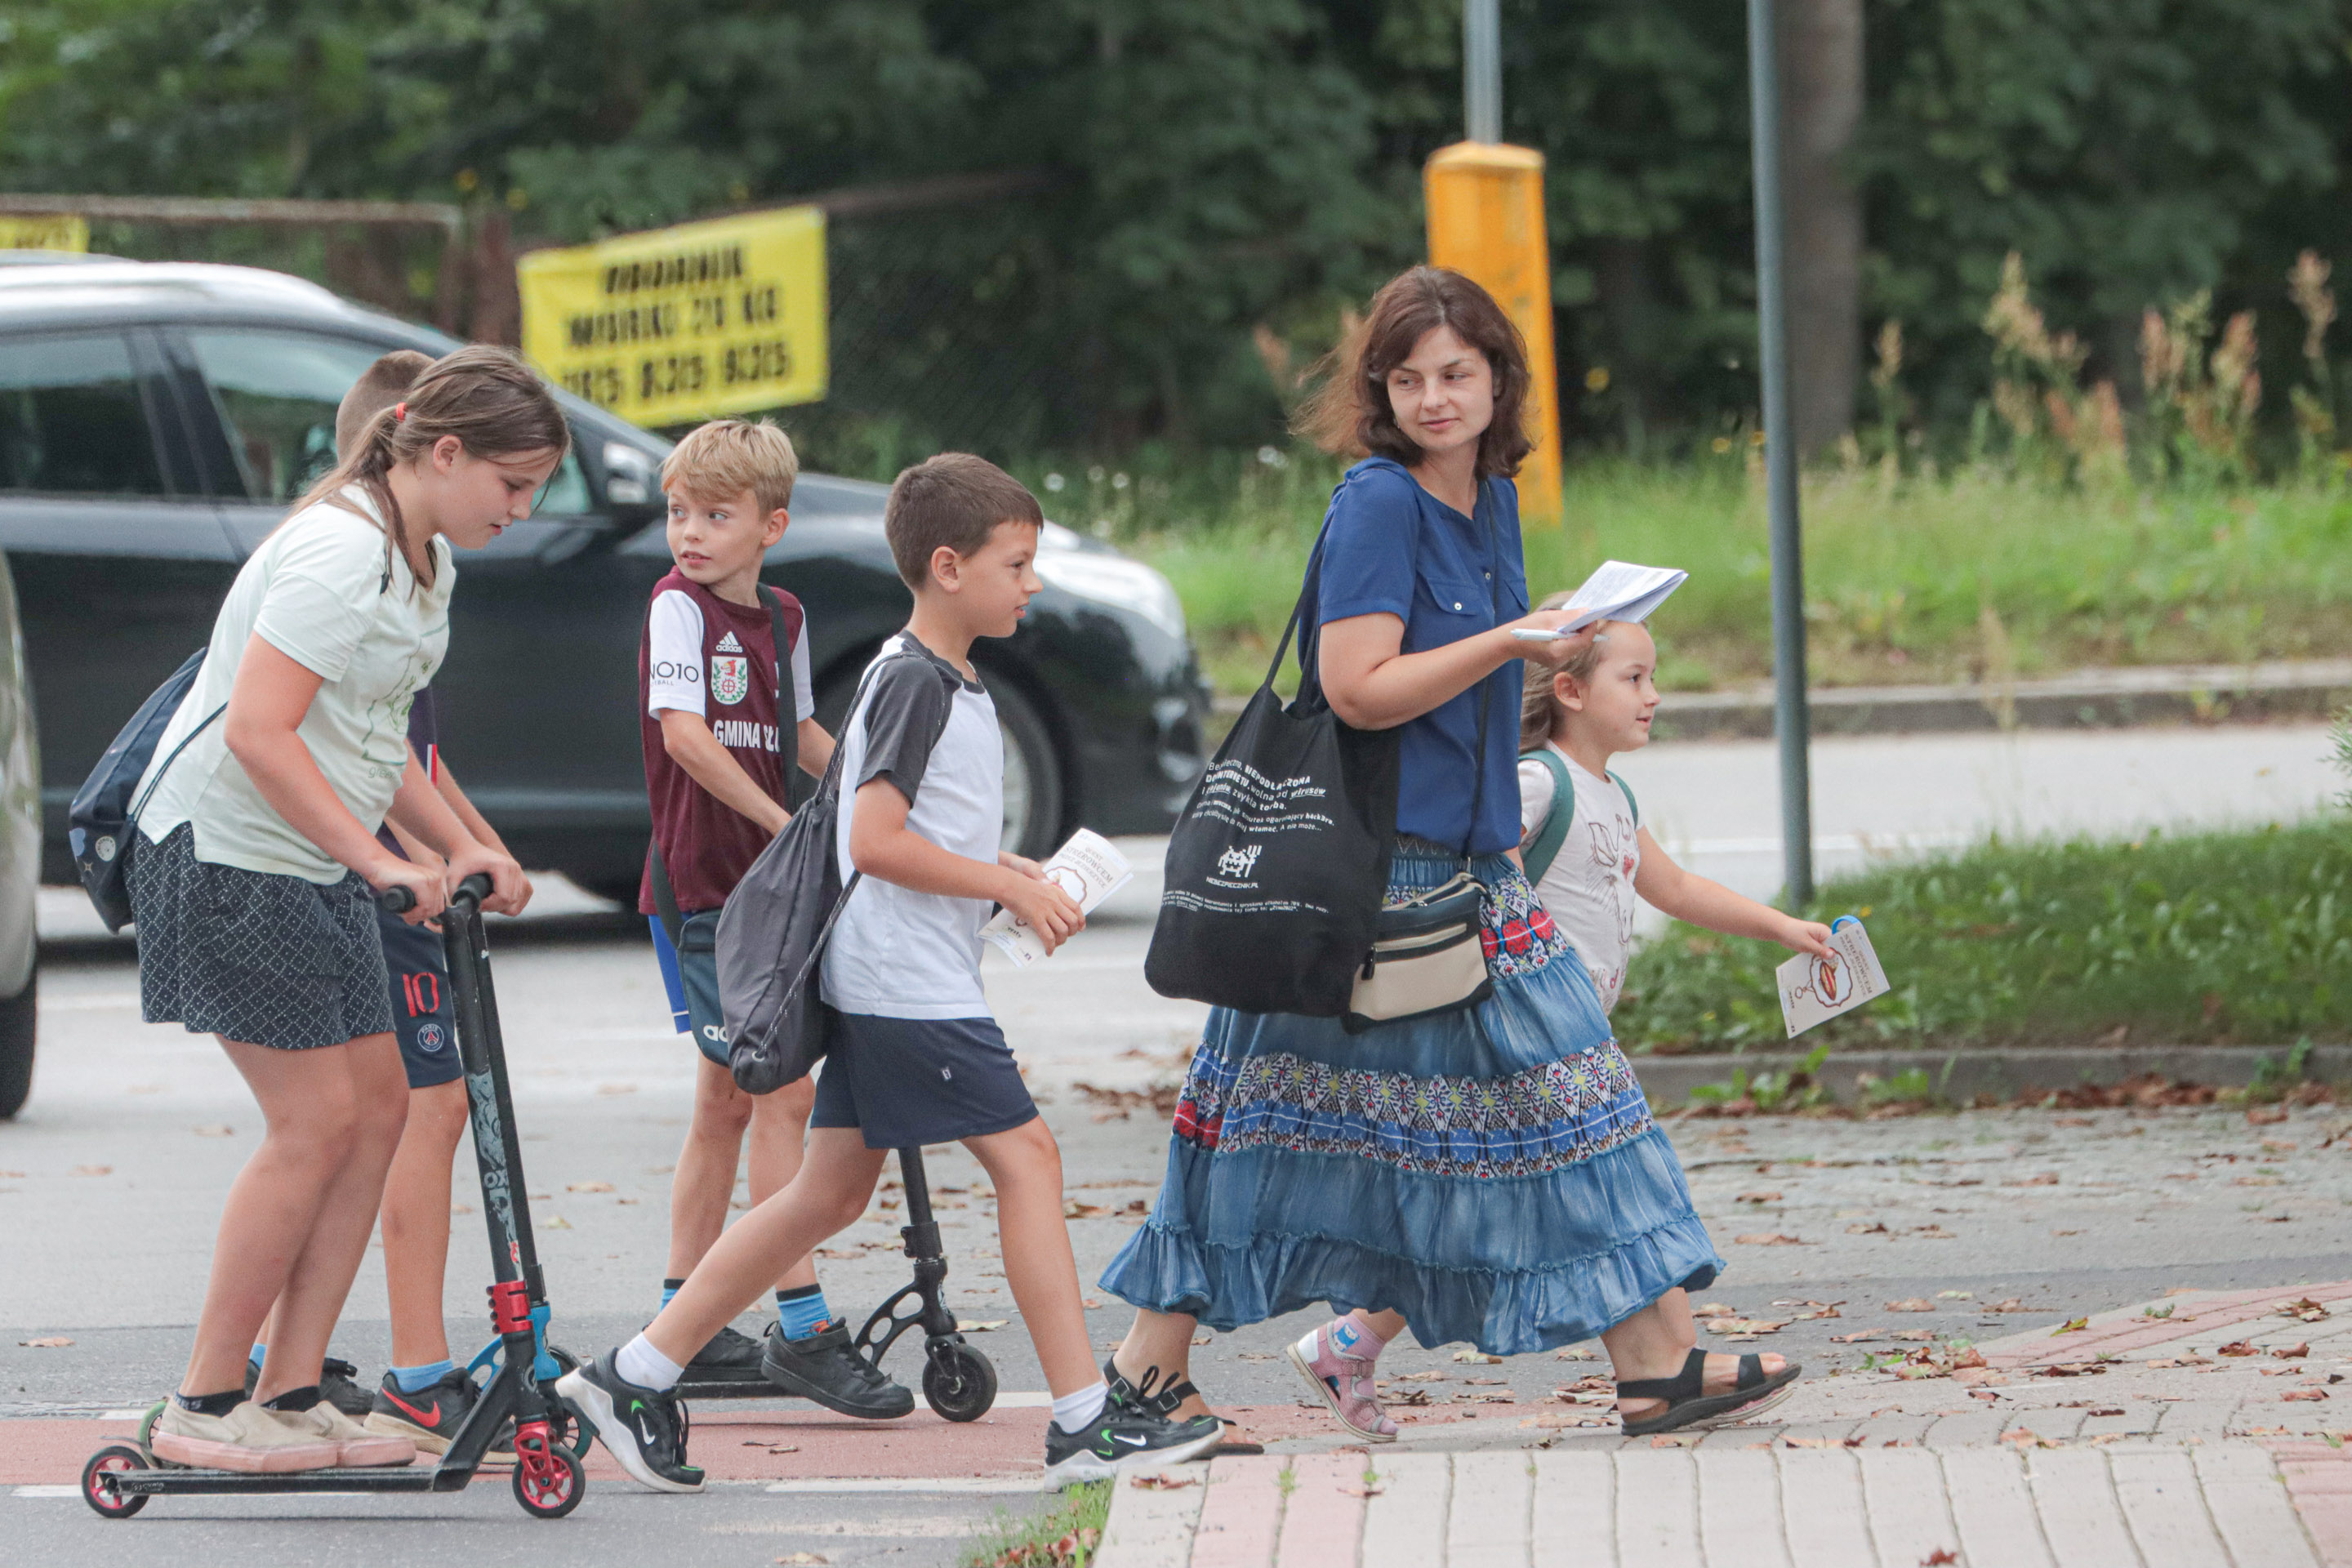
270 960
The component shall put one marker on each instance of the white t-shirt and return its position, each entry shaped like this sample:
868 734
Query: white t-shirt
674 635
1589 888
899 953
317 591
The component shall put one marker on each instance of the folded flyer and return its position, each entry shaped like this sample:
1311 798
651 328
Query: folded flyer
1813 989
1618 590
1089 869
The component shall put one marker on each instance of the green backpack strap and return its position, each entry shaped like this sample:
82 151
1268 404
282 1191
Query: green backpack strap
1629 801
1544 848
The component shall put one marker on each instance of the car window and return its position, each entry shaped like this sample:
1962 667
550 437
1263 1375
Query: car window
72 421
565 494
276 394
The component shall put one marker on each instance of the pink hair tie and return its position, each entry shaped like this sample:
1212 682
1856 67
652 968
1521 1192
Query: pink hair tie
399 413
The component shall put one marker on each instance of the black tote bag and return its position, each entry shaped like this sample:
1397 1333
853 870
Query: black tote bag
1277 869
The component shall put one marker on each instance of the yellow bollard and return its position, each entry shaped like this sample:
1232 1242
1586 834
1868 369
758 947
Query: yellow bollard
1486 222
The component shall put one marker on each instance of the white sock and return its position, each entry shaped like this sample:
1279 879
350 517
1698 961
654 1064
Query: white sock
1076 1412
642 1365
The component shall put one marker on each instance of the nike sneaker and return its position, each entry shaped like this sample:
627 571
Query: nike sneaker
337 1386
824 1367
1127 1434
732 1356
642 1428
432 1417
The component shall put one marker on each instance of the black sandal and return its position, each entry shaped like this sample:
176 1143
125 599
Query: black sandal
1688 1406
1163 1402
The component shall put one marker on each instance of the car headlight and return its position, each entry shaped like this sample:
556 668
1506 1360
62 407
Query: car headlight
1114 580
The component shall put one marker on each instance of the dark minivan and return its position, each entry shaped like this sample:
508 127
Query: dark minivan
156 418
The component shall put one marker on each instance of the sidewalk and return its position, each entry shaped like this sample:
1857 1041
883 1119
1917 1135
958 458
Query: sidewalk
2198 1430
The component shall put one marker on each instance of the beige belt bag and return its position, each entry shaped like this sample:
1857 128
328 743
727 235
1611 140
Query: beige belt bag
1426 959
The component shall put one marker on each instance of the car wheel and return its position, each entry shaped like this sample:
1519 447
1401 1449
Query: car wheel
1033 770
16 1029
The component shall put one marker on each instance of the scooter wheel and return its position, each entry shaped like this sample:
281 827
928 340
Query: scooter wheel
959 1383
98 1488
551 1486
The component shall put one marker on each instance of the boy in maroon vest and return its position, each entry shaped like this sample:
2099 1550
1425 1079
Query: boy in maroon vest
723 660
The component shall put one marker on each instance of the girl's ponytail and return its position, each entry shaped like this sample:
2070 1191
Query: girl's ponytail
486 397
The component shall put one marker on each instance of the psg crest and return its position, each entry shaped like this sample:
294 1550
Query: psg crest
731 677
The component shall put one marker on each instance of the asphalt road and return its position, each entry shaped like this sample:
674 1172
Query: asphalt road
111 1180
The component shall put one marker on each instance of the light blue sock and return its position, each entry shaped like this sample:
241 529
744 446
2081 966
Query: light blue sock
417 1379
802 1311
671 1288
260 1353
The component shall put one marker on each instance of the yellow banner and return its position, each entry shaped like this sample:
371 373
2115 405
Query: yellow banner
679 324
60 231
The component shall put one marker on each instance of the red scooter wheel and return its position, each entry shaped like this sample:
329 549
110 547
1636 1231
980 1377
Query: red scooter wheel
549 1480
100 1492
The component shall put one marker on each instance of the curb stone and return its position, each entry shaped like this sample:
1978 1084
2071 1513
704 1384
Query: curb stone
1960 1075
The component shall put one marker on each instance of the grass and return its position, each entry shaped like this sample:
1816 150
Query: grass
2241 938
1063 1534
1976 573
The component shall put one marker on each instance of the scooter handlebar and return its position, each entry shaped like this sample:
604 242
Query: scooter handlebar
467 898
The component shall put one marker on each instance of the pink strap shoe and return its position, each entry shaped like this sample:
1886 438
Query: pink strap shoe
1344 1379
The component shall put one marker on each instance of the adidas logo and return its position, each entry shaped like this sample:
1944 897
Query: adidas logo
728 645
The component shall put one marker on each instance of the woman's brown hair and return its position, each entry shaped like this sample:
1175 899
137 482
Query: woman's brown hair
487 397
1349 414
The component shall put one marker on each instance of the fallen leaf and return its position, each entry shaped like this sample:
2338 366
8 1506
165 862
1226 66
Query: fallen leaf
1432 1375
2295 1393
1827 1310
2108 1410
1351 1489
2307 1310
1749 1327
1074 1209
1714 1310
1199 1340
2292 1353
1911 1304
93 1170
2011 1305
2071 1326
1478 1358
1490 1382
1872 1228
589 1187
1820 1442
2237 1347
2073 1121
216 1130
2277 1146
2265 1115
1855 1338
1572 1354
1956 1296
2046 1179
1163 1483
805 1557
1938 1558
1675 1440
1913 1335
555 1222
1088 1302
1766 1196
1768 1238
771 1448
48 1342
1932 1233
989 1326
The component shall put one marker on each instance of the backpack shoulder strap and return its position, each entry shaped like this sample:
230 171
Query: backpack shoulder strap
1629 801
1544 848
775 601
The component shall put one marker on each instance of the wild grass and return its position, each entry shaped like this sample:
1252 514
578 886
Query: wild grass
2236 938
1063 1533
1982 573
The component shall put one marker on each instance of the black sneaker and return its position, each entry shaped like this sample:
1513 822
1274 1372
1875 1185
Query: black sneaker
1162 1397
1126 1436
430 1416
336 1386
824 1367
640 1427
732 1355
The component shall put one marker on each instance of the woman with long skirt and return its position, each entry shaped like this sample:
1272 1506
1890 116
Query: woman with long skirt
1490 1174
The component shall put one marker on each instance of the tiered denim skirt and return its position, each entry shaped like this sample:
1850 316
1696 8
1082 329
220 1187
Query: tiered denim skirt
1493 1175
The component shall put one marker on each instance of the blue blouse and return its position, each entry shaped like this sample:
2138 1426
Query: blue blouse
1390 547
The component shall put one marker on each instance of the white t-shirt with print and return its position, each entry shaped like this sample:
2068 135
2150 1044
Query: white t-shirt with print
1588 889
326 592
896 952
674 639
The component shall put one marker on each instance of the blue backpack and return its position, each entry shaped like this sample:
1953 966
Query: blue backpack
101 822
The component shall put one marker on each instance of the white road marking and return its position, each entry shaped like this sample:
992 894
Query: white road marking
975 1485
51 1492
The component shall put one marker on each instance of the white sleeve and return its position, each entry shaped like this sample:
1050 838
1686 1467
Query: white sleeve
804 691
1535 799
323 587
674 656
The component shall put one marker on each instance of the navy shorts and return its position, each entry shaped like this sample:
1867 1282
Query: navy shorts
906 1082
692 978
420 1013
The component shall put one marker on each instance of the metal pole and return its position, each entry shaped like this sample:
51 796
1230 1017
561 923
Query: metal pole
1482 71
1791 721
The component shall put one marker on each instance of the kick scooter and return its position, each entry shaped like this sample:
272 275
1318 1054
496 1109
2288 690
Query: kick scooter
959 1382
550 1440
